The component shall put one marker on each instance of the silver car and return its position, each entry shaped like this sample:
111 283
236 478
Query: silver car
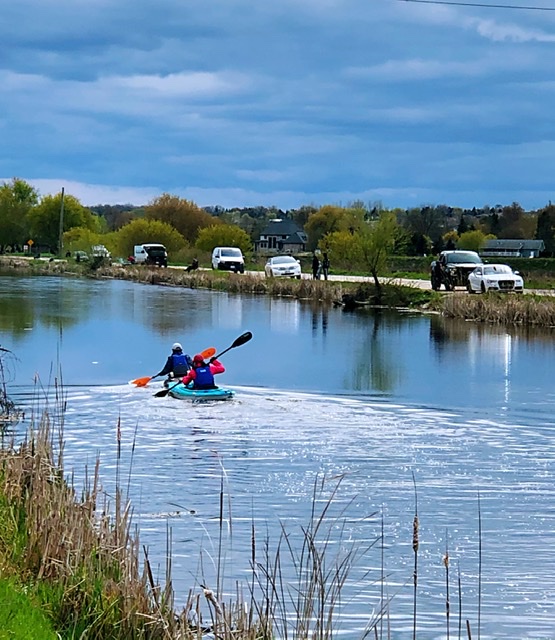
494 277
283 266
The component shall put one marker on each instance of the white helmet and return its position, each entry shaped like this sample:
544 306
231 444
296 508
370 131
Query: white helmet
177 347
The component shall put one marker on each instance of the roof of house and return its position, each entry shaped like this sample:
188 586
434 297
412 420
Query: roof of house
284 227
299 237
537 245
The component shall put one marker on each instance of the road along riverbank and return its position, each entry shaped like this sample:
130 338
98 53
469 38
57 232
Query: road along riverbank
349 292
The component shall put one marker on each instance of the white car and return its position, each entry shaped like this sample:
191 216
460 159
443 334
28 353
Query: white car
494 277
283 266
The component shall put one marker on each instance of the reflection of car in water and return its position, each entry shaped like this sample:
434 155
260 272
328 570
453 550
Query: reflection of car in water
494 277
283 266
452 269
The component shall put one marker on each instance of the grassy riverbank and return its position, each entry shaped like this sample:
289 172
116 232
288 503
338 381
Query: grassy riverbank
538 310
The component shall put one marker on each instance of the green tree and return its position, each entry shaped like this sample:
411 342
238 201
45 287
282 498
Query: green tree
473 240
185 216
344 248
545 229
377 241
17 198
223 235
515 223
142 231
330 218
44 219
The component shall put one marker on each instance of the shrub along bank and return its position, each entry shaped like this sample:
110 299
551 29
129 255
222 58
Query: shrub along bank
494 308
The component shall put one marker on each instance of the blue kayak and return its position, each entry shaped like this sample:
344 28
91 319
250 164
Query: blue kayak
185 392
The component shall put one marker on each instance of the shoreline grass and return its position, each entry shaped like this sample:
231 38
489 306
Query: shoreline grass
491 308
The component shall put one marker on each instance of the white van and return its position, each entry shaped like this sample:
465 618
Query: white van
228 259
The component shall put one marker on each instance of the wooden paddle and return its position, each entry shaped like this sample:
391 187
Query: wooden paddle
236 343
142 382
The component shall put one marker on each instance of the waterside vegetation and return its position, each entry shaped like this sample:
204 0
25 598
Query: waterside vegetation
530 309
72 562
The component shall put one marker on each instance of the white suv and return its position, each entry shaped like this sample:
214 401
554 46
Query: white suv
228 259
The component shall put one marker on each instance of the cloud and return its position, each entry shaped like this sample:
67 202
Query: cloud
277 101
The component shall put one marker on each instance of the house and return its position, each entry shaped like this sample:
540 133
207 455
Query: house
512 248
281 236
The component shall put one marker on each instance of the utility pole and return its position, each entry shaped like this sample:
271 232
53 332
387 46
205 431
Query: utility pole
61 232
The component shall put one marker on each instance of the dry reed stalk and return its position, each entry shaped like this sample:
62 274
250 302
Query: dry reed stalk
479 565
446 565
415 543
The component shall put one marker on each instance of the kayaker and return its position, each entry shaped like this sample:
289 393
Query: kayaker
177 364
202 374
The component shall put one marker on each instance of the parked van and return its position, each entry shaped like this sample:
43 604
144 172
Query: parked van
228 259
151 253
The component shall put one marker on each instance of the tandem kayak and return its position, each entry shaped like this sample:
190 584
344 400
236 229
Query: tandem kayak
185 392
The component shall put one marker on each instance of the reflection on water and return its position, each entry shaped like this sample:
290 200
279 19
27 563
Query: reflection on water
375 397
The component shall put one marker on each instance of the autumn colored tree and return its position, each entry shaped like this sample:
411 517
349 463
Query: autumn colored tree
183 215
44 219
223 235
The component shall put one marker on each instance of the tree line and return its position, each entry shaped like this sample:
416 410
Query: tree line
358 235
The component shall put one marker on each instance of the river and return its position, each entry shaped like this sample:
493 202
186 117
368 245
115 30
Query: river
397 408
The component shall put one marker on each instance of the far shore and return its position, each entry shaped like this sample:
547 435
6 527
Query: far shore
349 292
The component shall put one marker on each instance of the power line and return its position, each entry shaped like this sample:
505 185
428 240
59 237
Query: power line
482 4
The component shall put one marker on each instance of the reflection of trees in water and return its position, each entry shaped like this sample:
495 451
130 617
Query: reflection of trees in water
56 303
374 366
449 335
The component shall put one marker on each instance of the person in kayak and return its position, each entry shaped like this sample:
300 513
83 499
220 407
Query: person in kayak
202 374
177 364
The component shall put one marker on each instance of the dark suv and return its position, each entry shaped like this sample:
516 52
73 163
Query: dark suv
451 269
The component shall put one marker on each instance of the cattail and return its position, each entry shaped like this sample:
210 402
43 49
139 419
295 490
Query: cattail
415 534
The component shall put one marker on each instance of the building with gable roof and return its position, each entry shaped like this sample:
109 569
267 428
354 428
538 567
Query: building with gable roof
281 236
512 248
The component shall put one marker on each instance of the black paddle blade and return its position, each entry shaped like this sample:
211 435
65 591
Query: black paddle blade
241 340
162 393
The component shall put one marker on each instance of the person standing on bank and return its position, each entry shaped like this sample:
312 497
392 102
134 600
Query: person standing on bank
177 364
325 266
202 374
315 267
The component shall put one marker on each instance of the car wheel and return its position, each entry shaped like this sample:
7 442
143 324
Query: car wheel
469 287
483 288
299 277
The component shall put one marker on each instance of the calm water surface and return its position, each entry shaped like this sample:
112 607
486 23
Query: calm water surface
375 399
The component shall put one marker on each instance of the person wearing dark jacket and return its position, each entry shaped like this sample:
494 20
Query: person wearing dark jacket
177 364
315 267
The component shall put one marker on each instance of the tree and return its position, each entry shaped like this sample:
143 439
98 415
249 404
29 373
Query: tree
143 231
44 219
515 223
377 241
16 200
330 218
343 247
545 229
223 235
183 215
473 240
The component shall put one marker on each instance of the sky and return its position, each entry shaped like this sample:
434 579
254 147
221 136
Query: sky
285 103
